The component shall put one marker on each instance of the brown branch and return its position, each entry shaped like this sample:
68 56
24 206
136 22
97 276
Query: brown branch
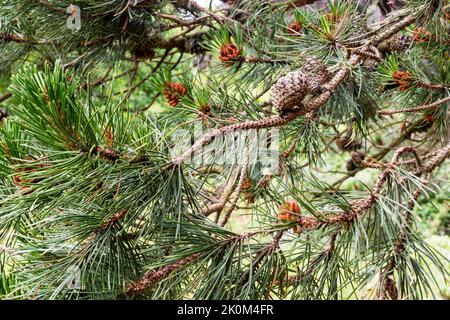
6 96
416 109
275 121
380 155
51 7
237 192
180 22
21 39
292 3
386 284
224 195
150 278
361 206
253 59
113 220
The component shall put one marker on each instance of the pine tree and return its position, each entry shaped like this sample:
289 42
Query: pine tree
102 199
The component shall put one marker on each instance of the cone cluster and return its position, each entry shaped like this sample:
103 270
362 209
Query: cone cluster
290 211
421 35
402 78
229 53
295 27
173 91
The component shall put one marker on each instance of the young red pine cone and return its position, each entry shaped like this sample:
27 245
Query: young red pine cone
287 209
428 118
290 211
246 186
295 27
173 92
229 53
421 35
402 78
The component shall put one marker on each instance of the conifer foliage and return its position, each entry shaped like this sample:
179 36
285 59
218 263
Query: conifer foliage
101 197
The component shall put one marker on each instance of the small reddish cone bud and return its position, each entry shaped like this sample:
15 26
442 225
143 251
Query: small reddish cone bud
109 137
246 186
428 118
173 92
447 13
229 53
402 127
402 78
204 112
287 209
421 35
295 27
332 17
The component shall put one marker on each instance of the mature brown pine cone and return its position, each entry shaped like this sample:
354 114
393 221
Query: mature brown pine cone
346 143
3 114
398 43
316 72
288 92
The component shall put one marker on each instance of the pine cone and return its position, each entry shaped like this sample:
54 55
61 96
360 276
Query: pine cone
402 78
421 35
194 45
390 289
3 114
316 73
173 92
351 165
370 64
288 92
399 43
287 209
295 27
347 144
229 53
144 51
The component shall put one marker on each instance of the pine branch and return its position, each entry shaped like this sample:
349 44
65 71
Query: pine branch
416 109
313 105
235 196
359 207
224 195
153 277
6 96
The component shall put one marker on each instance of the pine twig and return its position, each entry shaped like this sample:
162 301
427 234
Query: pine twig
237 192
152 277
416 109
361 206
